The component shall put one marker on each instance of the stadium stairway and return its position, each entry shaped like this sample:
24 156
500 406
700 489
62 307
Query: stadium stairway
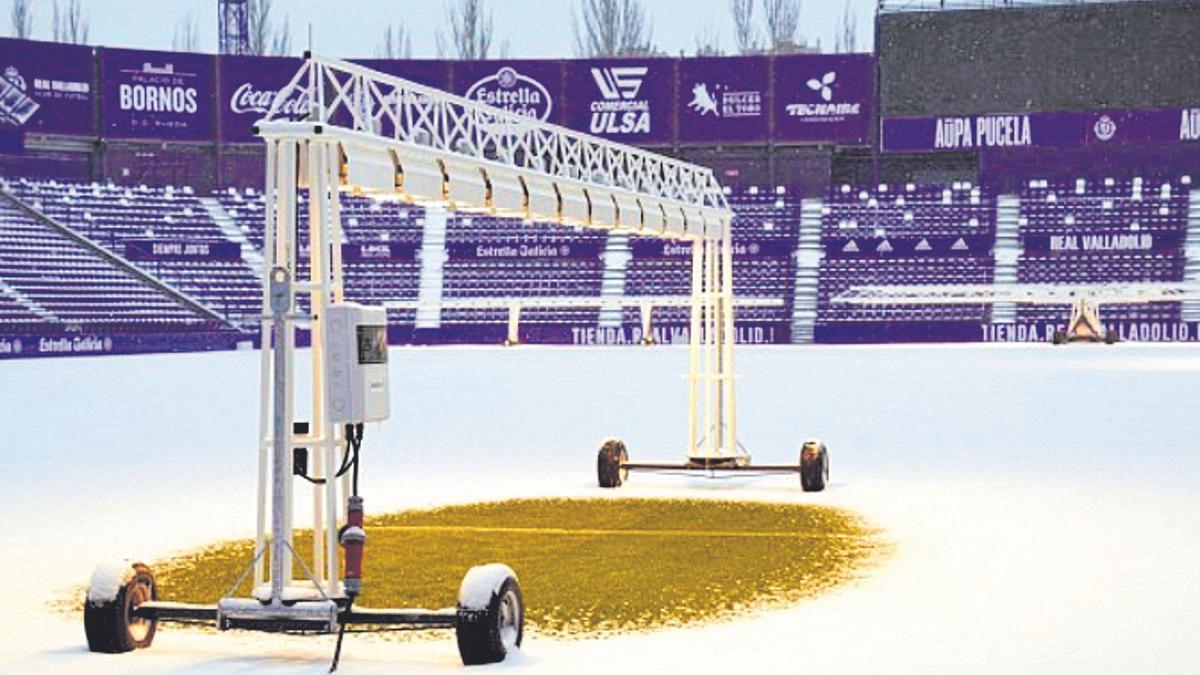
30 305
251 255
1190 311
1006 251
433 265
114 259
809 254
612 284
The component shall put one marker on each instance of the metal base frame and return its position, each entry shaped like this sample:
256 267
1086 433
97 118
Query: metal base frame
379 619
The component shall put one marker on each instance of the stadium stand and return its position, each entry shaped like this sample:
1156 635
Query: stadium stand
50 282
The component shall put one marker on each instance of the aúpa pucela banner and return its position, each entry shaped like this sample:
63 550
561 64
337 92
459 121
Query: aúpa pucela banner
1067 129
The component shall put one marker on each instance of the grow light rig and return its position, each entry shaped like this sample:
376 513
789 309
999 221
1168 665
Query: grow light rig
1085 300
369 133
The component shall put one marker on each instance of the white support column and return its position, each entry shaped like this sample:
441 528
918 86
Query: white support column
265 342
318 278
712 356
336 291
694 346
728 339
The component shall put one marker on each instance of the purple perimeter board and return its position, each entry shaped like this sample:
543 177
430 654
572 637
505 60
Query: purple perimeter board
249 85
628 101
822 98
723 99
157 95
46 87
1065 129
530 88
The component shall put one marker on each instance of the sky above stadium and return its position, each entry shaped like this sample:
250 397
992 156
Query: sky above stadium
533 28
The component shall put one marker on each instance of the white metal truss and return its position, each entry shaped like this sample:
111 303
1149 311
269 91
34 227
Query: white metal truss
374 114
370 133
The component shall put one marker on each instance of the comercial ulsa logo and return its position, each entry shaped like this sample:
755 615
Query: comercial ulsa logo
620 111
1105 128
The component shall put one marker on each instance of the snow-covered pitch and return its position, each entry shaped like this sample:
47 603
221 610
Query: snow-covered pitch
1043 501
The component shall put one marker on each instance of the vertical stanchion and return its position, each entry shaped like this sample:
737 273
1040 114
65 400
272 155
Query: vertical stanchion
286 242
729 339
711 416
264 375
318 283
333 279
694 345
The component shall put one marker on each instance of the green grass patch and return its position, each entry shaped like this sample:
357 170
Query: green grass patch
589 566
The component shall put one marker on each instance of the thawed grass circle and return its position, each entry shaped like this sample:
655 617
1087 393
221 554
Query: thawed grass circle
590 566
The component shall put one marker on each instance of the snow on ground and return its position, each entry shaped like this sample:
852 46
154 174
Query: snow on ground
1043 502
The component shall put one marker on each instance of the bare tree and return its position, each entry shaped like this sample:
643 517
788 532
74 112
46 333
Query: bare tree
187 34
265 36
281 41
22 19
468 33
397 43
846 40
744 32
69 24
612 28
783 24
708 42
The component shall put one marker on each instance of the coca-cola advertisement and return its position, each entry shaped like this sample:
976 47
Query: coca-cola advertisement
249 85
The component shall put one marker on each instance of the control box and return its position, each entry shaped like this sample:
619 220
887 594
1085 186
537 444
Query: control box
356 344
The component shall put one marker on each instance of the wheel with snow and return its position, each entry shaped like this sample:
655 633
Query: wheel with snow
490 620
814 466
108 612
610 464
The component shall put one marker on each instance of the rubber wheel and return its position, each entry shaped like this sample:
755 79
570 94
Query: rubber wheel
1060 337
1110 337
814 466
609 464
487 636
111 627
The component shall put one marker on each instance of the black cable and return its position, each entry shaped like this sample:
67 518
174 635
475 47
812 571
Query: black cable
357 448
337 651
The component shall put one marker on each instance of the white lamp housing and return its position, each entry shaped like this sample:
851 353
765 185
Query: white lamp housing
676 222
604 208
575 207
543 198
654 218
369 169
467 189
422 179
508 195
629 211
